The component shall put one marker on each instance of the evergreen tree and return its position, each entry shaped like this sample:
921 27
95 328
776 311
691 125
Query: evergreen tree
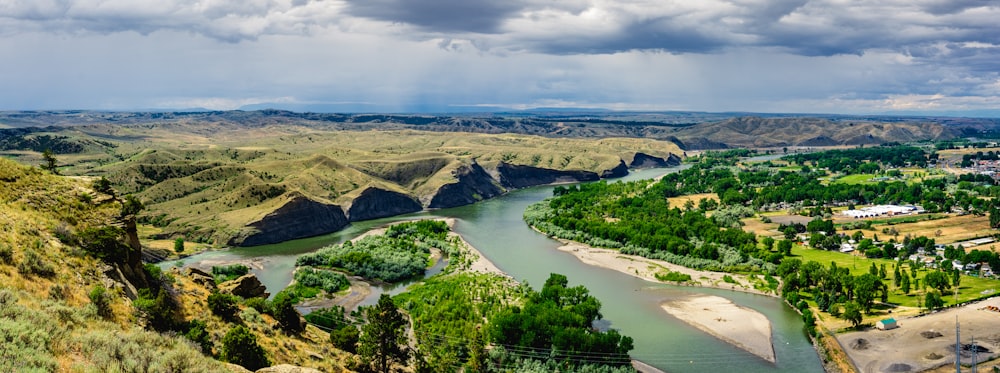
905 284
383 341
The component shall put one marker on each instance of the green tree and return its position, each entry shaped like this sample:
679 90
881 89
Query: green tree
240 347
852 313
768 243
383 341
932 300
283 309
905 283
345 338
896 280
866 287
785 247
223 305
51 163
937 280
179 245
688 205
956 279
102 185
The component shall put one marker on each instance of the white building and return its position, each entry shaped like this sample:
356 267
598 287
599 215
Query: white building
880 210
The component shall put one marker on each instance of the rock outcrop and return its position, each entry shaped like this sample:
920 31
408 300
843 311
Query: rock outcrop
374 203
618 171
200 277
474 184
520 176
643 160
246 286
300 217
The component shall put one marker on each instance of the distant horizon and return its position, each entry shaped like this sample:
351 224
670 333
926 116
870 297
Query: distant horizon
470 110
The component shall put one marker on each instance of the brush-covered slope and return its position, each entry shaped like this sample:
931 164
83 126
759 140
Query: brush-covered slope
47 319
50 317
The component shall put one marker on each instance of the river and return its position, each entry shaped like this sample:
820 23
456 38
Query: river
629 304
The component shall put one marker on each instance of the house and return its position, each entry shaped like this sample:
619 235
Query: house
986 270
846 248
886 324
957 265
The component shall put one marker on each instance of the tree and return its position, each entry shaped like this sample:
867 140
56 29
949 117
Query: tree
937 280
345 338
785 247
865 288
50 162
102 185
179 244
240 347
852 313
283 309
688 205
932 300
905 283
383 341
768 243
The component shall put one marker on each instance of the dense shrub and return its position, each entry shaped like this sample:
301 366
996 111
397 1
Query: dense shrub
229 272
197 332
401 253
223 305
240 347
345 338
328 281
101 300
158 309
283 309
259 304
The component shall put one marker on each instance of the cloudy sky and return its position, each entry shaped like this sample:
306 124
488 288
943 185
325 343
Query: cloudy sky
829 56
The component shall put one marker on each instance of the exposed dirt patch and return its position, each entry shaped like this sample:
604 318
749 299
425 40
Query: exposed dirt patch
860 344
930 334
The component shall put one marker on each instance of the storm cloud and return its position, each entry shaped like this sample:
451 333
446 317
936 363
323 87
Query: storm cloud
883 52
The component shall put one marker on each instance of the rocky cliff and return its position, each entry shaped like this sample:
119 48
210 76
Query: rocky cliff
474 184
374 203
520 176
618 171
643 160
300 217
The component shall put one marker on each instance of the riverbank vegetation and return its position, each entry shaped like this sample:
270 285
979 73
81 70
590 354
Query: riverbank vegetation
402 253
827 263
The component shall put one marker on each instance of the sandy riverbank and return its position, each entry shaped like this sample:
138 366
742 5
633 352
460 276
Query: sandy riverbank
740 326
647 269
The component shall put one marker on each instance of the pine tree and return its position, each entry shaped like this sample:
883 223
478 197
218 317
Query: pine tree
383 341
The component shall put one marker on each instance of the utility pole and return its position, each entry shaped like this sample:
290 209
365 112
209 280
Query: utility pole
958 348
975 350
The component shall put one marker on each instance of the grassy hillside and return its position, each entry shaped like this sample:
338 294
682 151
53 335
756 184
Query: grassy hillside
207 181
778 132
50 319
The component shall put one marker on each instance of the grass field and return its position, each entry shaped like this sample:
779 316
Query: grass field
679 202
971 287
943 228
856 179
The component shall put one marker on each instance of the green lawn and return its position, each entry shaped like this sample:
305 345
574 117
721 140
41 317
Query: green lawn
971 287
855 179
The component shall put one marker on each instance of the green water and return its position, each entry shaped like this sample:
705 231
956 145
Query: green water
631 305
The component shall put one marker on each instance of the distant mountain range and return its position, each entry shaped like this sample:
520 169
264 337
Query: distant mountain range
690 130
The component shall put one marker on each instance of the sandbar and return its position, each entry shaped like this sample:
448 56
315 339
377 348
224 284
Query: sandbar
740 326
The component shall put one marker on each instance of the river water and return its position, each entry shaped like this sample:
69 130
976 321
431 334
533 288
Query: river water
629 304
